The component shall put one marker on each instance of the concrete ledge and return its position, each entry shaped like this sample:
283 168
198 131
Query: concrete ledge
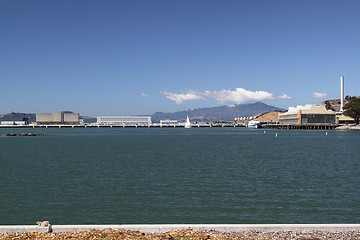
22 228
161 228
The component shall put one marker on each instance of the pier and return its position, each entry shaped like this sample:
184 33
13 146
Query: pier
194 125
300 127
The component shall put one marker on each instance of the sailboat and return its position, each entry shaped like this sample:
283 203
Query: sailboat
187 123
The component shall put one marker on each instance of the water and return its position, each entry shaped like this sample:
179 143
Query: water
177 175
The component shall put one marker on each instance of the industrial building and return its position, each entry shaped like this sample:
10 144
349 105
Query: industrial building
308 114
57 118
124 120
316 114
13 123
168 122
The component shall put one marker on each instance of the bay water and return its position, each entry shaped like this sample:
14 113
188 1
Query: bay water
177 175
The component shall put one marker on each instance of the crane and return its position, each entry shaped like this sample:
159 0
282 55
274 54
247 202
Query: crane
24 118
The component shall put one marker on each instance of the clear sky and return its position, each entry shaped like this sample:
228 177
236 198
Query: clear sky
113 57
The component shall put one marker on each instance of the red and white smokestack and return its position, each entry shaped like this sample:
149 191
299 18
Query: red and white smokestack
342 93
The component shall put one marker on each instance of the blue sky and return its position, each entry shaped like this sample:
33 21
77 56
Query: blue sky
138 57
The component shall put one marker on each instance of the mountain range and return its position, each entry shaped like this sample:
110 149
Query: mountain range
212 114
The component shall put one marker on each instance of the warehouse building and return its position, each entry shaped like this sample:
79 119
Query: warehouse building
308 115
168 122
124 120
57 118
13 123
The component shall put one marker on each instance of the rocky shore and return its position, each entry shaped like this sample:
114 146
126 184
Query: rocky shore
186 234
348 127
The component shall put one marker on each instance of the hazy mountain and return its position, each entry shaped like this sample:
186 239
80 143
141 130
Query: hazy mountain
18 117
223 113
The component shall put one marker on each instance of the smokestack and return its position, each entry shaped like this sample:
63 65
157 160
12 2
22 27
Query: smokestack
342 93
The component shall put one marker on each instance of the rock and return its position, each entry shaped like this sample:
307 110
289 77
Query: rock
43 223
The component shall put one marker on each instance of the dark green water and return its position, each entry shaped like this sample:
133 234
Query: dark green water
176 175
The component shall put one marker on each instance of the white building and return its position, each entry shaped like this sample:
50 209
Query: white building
13 123
124 120
168 122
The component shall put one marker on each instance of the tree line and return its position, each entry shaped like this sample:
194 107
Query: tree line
352 109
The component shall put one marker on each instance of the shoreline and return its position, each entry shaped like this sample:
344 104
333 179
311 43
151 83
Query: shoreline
348 127
162 228
189 231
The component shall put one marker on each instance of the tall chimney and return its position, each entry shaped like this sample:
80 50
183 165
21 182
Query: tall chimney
342 93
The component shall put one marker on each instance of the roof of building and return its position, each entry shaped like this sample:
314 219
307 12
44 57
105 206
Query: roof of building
317 109
299 107
345 118
307 109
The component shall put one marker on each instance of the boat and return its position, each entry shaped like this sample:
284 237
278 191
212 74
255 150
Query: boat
187 123
254 124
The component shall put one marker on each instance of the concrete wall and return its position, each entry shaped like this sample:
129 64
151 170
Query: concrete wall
71 117
57 118
44 117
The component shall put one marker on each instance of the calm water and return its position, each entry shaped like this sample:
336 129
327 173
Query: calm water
176 175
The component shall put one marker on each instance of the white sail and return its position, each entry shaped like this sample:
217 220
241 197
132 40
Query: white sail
187 123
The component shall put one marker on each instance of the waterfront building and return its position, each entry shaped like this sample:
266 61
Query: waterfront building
344 120
308 115
124 120
13 123
168 122
57 118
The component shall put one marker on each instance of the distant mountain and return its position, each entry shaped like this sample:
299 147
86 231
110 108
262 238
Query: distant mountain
223 113
18 117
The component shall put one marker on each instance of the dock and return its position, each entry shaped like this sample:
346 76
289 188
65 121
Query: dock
300 127
194 125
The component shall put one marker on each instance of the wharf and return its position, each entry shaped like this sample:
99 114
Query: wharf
273 126
298 126
121 126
